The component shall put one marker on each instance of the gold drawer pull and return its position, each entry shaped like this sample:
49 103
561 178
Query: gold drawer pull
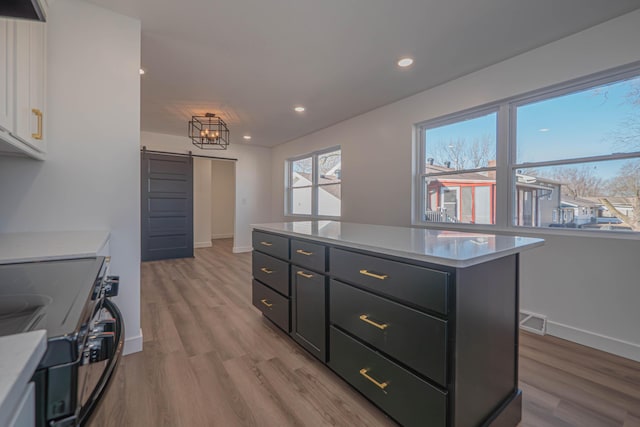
266 302
38 114
374 275
365 318
300 251
266 243
380 385
266 270
305 275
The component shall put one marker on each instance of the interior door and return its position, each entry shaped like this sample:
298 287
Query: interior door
167 206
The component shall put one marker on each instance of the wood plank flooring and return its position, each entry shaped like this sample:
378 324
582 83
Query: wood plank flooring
210 359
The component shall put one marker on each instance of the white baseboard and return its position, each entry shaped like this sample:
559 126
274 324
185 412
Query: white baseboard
222 236
241 249
615 346
133 344
202 244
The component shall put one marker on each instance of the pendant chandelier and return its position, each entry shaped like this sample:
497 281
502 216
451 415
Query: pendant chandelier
209 132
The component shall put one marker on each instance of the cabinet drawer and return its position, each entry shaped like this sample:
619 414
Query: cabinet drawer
405 397
409 283
416 339
271 304
271 271
271 244
308 255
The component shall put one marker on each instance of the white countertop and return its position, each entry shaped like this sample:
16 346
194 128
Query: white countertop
19 357
451 248
46 246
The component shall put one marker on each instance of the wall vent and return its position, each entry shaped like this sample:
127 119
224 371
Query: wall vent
532 322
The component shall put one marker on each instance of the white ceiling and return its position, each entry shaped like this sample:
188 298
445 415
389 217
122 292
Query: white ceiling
251 61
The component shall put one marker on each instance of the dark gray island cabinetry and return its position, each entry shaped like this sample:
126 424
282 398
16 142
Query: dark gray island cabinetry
424 323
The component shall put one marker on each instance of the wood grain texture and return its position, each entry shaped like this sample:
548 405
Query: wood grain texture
210 359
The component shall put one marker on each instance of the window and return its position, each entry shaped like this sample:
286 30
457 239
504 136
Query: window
577 159
458 165
568 158
314 184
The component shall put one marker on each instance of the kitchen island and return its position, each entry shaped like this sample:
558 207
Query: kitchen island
424 323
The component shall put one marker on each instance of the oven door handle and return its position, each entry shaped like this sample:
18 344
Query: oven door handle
107 376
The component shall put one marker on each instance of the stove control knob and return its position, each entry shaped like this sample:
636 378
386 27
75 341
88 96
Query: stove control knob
99 347
104 325
111 286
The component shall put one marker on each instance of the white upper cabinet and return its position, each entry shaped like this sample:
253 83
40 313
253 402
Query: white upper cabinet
23 79
30 83
6 74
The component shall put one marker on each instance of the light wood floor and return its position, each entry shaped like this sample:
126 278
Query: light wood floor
210 359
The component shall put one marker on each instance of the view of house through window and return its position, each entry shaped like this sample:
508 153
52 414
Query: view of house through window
575 161
314 184
459 171
575 152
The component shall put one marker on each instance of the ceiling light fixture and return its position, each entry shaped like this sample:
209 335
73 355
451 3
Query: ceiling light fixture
141 71
247 137
299 109
405 62
209 132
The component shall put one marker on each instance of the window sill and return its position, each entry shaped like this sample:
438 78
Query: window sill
531 231
311 218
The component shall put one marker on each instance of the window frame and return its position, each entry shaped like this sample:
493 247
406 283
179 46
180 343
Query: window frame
506 157
315 184
420 165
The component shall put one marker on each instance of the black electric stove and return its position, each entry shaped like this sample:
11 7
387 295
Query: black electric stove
85 331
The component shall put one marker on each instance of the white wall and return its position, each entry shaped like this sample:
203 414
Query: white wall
223 198
253 178
201 203
587 284
91 178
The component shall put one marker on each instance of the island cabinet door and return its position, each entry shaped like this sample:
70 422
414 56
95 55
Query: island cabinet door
308 310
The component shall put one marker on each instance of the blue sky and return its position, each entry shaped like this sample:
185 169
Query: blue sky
582 124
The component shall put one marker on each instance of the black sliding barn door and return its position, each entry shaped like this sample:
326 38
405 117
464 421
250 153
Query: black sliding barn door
167 206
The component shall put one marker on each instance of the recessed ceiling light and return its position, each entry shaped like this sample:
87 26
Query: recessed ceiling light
405 62
299 109
141 71
544 130
247 137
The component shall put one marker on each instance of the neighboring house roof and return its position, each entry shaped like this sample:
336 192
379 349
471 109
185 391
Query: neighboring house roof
334 190
579 201
460 175
616 201
489 176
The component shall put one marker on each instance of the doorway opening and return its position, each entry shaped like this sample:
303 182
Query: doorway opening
213 201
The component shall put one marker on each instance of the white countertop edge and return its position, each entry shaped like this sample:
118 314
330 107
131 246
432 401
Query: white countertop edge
404 254
74 255
20 355
43 246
